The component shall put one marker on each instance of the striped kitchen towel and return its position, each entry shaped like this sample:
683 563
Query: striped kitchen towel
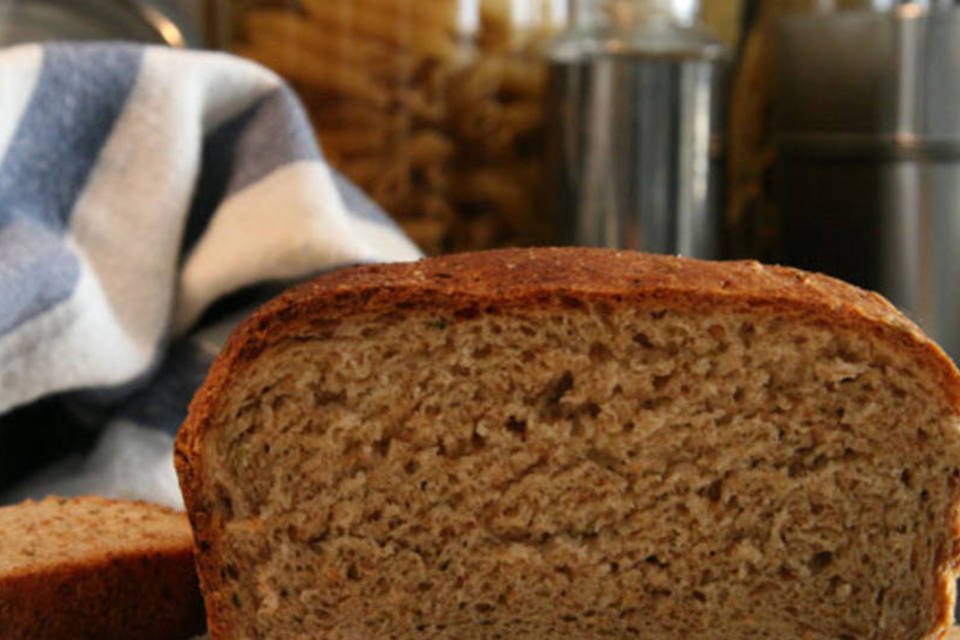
139 188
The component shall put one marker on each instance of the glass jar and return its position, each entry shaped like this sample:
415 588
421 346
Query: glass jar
433 107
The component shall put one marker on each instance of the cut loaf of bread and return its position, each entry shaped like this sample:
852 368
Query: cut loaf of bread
97 569
575 443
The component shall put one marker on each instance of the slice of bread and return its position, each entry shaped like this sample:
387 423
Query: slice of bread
576 443
97 569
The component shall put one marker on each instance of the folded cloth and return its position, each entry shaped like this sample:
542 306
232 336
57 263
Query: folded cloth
139 187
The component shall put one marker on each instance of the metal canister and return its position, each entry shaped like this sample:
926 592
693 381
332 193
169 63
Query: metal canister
634 102
134 20
868 135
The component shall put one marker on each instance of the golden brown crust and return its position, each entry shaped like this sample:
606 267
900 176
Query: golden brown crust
460 287
145 592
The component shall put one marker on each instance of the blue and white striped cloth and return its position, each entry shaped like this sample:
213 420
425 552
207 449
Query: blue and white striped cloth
138 187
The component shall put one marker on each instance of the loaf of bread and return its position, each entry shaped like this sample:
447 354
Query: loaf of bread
97 569
575 443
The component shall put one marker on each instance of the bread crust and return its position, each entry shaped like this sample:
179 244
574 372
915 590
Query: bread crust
463 286
148 592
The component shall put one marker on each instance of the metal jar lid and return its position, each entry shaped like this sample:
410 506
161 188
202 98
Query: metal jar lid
132 20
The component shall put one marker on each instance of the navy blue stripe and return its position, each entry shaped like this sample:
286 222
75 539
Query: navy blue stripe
272 132
162 404
278 133
80 93
37 272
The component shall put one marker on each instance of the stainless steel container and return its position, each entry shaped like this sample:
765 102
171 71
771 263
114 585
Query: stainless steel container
634 97
868 132
150 21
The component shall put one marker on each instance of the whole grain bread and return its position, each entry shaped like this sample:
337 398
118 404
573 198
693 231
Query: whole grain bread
575 443
97 569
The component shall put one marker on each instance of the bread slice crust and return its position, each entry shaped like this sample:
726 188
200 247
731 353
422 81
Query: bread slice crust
462 288
92 567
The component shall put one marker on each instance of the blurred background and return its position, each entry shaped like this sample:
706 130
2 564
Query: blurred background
818 133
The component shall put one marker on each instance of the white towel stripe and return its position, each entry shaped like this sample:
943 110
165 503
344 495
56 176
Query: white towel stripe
99 352
18 74
291 239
